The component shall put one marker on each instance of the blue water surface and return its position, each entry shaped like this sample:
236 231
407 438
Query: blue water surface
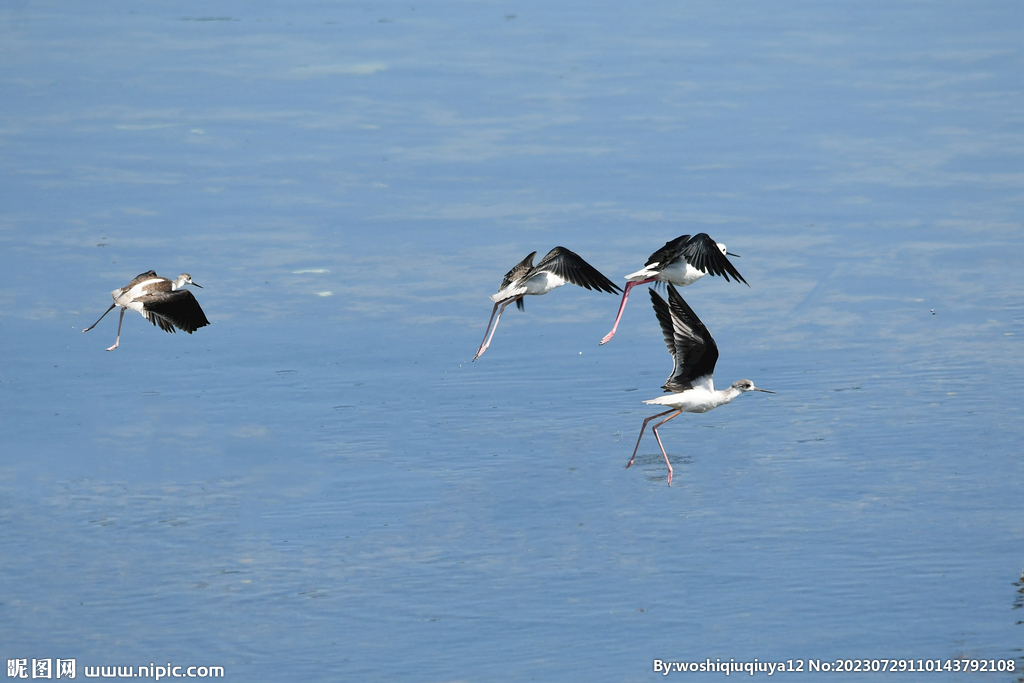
321 486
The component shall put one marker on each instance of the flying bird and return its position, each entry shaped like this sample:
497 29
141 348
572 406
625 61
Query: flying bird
690 387
554 270
680 262
161 301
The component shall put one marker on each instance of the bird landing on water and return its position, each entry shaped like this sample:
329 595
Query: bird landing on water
161 301
691 386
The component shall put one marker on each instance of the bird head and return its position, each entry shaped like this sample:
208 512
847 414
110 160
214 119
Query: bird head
745 385
185 279
721 248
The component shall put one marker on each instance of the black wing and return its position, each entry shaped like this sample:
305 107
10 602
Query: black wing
689 342
174 309
571 268
702 253
518 270
672 250
157 320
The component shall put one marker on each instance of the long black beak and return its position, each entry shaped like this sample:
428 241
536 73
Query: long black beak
764 390
729 253
196 284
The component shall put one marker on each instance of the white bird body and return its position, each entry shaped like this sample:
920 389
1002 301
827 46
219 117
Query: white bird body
691 386
681 262
159 301
700 399
129 297
538 284
678 272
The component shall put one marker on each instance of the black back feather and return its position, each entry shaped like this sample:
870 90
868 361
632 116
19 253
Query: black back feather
518 271
672 250
148 275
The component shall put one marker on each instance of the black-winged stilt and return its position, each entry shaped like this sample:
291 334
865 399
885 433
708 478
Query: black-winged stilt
161 301
691 385
680 262
554 270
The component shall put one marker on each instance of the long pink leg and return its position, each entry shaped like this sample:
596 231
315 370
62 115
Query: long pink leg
642 434
622 307
483 344
101 318
655 430
119 321
496 320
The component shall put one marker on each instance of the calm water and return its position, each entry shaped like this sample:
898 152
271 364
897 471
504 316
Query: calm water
321 486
